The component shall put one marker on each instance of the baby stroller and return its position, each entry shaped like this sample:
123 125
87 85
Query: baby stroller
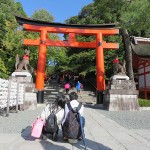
53 115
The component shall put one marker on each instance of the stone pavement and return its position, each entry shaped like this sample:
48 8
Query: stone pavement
101 134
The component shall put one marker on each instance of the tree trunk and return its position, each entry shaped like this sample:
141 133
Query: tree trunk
128 53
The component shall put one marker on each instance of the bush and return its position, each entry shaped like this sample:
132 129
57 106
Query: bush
3 75
144 103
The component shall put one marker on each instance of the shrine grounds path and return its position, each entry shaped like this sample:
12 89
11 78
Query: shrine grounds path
104 130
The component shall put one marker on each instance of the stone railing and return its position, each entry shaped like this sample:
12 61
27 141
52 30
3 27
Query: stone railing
11 95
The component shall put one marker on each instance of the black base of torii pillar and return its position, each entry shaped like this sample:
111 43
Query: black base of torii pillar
99 97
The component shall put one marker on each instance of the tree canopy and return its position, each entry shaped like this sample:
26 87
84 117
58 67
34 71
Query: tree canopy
43 15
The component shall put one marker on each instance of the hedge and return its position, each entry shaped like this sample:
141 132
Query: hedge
144 103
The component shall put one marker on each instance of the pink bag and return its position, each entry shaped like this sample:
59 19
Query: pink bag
67 86
37 127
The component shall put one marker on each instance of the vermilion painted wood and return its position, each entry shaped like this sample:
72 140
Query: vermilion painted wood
71 43
100 63
43 42
41 62
87 31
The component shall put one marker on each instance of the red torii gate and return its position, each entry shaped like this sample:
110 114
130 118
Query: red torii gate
45 27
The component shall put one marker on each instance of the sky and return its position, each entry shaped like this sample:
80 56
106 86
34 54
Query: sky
59 9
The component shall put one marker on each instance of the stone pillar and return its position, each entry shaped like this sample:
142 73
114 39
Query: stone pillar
121 94
30 99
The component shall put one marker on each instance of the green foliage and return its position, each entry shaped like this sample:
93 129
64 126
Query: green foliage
12 43
3 70
43 15
136 18
10 38
50 70
2 66
86 58
20 10
62 60
4 75
144 103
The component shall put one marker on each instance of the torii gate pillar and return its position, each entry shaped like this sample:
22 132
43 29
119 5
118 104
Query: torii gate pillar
100 69
41 66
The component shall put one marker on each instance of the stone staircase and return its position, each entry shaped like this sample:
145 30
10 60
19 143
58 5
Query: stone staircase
87 97
50 95
53 89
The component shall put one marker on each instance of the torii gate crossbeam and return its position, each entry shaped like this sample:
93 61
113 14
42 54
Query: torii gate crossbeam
72 30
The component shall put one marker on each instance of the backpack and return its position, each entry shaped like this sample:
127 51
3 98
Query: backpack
51 123
71 126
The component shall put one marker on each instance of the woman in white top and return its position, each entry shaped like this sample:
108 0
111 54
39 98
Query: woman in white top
57 107
74 104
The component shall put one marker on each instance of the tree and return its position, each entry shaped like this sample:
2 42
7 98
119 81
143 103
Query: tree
20 10
135 20
9 36
42 15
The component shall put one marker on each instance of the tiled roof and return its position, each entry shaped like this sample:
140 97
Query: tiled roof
141 46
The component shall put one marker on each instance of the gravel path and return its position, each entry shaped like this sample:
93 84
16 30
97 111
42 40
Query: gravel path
129 119
16 122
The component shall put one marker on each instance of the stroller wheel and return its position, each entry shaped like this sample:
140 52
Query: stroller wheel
55 136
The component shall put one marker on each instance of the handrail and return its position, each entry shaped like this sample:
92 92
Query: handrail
92 84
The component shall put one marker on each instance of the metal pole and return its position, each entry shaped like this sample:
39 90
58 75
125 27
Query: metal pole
8 98
17 97
22 106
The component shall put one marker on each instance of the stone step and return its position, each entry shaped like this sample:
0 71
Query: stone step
51 93
50 96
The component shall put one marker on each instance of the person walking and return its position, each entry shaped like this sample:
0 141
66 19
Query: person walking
78 87
67 87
